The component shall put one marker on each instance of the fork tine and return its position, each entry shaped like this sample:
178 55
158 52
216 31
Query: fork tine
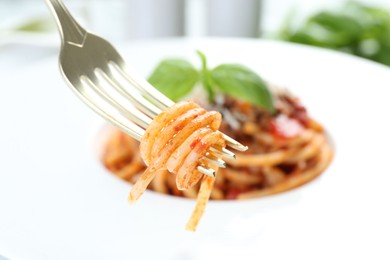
144 87
122 85
214 160
104 89
207 171
222 151
105 110
234 144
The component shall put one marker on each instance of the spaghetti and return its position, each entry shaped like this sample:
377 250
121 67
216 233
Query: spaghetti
176 141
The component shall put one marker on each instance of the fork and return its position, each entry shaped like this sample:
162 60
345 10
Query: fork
97 73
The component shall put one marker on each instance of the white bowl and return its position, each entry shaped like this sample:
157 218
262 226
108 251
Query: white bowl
58 202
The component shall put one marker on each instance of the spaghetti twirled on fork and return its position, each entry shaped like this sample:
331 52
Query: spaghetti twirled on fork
176 141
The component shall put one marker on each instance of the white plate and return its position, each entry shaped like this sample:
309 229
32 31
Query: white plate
58 202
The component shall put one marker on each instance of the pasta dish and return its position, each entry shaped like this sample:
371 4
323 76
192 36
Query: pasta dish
285 151
287 148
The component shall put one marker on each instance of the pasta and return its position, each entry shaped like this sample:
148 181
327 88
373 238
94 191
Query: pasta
286 149
176 141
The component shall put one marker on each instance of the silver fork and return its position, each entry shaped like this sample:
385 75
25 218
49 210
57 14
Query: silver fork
100 77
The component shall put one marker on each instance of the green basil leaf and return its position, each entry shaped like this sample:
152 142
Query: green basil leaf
175 78
241 82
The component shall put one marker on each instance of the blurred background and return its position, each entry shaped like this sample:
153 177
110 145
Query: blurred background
28 33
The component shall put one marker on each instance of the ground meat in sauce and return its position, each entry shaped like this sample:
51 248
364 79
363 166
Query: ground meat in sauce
252 119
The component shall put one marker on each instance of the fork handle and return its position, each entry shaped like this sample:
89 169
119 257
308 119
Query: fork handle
71 32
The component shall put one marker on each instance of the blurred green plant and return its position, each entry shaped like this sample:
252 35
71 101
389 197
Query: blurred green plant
30 25
355 28
36 24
